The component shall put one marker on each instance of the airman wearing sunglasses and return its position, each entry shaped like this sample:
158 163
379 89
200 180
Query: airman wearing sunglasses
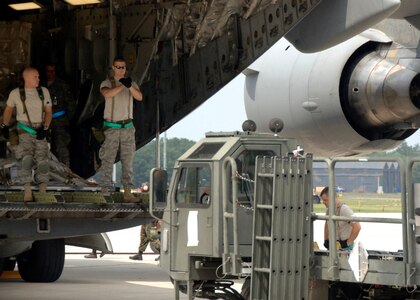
119 92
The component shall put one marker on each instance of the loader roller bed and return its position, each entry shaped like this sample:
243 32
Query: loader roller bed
372 254
72 205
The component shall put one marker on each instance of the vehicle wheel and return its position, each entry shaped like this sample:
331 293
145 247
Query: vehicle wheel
44 262
246 289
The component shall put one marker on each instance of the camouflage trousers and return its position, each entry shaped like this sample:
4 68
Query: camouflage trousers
117 139
60 140
30 152
145 240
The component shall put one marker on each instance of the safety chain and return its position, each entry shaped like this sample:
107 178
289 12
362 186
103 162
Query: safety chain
250 208
243 178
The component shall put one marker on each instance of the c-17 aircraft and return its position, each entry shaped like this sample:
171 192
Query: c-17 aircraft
180 53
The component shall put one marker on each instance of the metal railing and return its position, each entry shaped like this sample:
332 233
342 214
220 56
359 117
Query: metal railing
228 257
332 218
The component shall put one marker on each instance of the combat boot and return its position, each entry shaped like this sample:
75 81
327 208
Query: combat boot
27 193
138 256
43 187
91 255
128 196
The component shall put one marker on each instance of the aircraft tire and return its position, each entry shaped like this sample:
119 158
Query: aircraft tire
44 262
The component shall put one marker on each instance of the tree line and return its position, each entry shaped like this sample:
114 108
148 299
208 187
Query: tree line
404 152
145 158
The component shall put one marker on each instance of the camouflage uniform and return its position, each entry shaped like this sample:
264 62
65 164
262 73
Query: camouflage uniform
150 233
122 139
30 150
63 109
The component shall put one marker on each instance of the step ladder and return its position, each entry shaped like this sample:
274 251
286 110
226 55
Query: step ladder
282 228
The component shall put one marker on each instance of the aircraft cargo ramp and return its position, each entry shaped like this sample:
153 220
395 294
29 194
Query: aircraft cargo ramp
72 205
22 211
67 213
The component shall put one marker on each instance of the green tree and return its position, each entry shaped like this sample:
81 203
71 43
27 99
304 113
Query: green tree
404 152
145 158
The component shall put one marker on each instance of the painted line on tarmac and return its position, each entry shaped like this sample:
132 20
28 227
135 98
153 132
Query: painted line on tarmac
157 284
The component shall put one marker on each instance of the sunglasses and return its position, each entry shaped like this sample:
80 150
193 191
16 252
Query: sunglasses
119 67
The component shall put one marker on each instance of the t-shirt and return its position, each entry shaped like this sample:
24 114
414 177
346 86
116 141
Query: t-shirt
123 103
344 228
33 104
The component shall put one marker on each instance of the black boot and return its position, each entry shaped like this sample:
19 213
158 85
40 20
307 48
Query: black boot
138 256
91 255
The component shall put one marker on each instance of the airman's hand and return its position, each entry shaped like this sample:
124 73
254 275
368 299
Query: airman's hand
41 133
126 82
5 131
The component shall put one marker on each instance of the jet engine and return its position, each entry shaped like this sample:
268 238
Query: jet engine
360 96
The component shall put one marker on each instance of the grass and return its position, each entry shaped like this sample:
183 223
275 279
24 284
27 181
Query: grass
368 203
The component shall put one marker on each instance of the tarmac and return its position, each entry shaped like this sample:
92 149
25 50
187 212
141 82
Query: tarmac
115 276
110 277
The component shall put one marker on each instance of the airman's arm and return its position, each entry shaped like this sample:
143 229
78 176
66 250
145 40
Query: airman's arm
7 115
326 231
137 94
354 232
111 92
48 117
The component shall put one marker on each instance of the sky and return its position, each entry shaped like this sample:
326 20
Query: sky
414 139
224 111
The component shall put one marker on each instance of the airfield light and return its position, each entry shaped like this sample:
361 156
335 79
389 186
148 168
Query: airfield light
82 2
25 6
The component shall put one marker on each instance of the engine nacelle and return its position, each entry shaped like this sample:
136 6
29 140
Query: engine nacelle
357 97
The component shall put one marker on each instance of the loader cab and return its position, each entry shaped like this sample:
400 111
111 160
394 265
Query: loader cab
192 230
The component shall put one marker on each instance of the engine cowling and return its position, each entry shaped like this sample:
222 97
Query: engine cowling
357 97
